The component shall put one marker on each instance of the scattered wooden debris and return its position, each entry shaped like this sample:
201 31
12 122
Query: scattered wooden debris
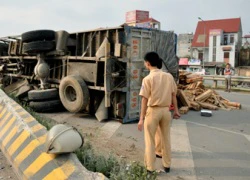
184 99
184 110
193 95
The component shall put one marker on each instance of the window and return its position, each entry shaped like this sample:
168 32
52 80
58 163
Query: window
214 48
225 39
190 40
226 54
231 39
200 55
214 54
214 41
226 57
228 39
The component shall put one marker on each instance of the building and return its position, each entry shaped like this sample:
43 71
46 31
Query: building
218 41
141 18
184 45
245 43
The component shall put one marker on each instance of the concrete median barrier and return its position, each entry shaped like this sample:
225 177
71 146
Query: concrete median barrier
22 140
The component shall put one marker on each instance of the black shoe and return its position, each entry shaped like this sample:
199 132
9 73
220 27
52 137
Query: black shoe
150 172
158 156
167 169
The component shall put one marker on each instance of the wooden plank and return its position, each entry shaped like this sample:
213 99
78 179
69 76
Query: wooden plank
233 104
184 99
208 106
184 110
196 106
199 84
204 95
215 99
194 79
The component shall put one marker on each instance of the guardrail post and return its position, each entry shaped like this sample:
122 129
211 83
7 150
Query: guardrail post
215 84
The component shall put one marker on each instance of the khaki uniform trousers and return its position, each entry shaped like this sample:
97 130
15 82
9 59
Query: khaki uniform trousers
157 117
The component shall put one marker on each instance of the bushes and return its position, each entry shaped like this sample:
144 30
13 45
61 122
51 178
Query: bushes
111 167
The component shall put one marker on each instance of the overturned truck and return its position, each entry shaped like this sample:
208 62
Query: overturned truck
98 71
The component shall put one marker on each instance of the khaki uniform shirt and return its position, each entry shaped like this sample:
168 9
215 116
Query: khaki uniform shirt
158 87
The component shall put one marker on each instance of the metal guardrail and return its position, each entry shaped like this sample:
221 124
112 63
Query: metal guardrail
217 78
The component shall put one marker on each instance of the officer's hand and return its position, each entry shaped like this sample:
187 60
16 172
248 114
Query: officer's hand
176 115
140 125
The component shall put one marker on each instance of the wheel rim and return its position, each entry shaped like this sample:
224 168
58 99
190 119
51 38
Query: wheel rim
70 94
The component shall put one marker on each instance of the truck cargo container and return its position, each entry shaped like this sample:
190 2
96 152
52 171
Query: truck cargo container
99 71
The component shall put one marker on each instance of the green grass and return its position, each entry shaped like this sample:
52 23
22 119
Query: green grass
111 167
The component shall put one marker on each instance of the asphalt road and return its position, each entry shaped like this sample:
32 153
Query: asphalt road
221 143
203 148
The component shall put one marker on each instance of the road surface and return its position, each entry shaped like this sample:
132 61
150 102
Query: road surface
214 148
203 148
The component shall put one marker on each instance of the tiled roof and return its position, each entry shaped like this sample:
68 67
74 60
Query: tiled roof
227 25
247 36
148 20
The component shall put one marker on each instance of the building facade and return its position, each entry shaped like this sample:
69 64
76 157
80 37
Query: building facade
218 41
139 18
184 42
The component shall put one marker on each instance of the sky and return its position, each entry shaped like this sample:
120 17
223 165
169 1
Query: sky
181 16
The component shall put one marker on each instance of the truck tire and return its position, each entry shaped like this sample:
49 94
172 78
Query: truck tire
45 106
74 93
38 46
38 35
41 95
3 49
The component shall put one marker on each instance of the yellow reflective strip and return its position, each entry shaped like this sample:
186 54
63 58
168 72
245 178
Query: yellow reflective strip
26 152
18 142
42 139
28 119
7 126
1 107
5 119
22 113
10 136
37 128
62 172
38 163
2 113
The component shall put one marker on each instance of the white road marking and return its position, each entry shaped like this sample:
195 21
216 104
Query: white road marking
109 129
182 166
248 137
219 129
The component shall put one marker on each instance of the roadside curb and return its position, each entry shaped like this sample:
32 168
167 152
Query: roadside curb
22 141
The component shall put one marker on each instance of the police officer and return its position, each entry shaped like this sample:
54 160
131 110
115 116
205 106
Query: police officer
158 92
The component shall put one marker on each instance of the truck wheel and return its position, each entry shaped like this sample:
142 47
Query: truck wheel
4 49
45 106
41 95
74 93
38 35
38 46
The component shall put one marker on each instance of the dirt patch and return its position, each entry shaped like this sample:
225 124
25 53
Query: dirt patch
6 170
122 147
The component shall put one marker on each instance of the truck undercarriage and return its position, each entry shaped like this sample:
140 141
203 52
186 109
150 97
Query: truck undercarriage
99 71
